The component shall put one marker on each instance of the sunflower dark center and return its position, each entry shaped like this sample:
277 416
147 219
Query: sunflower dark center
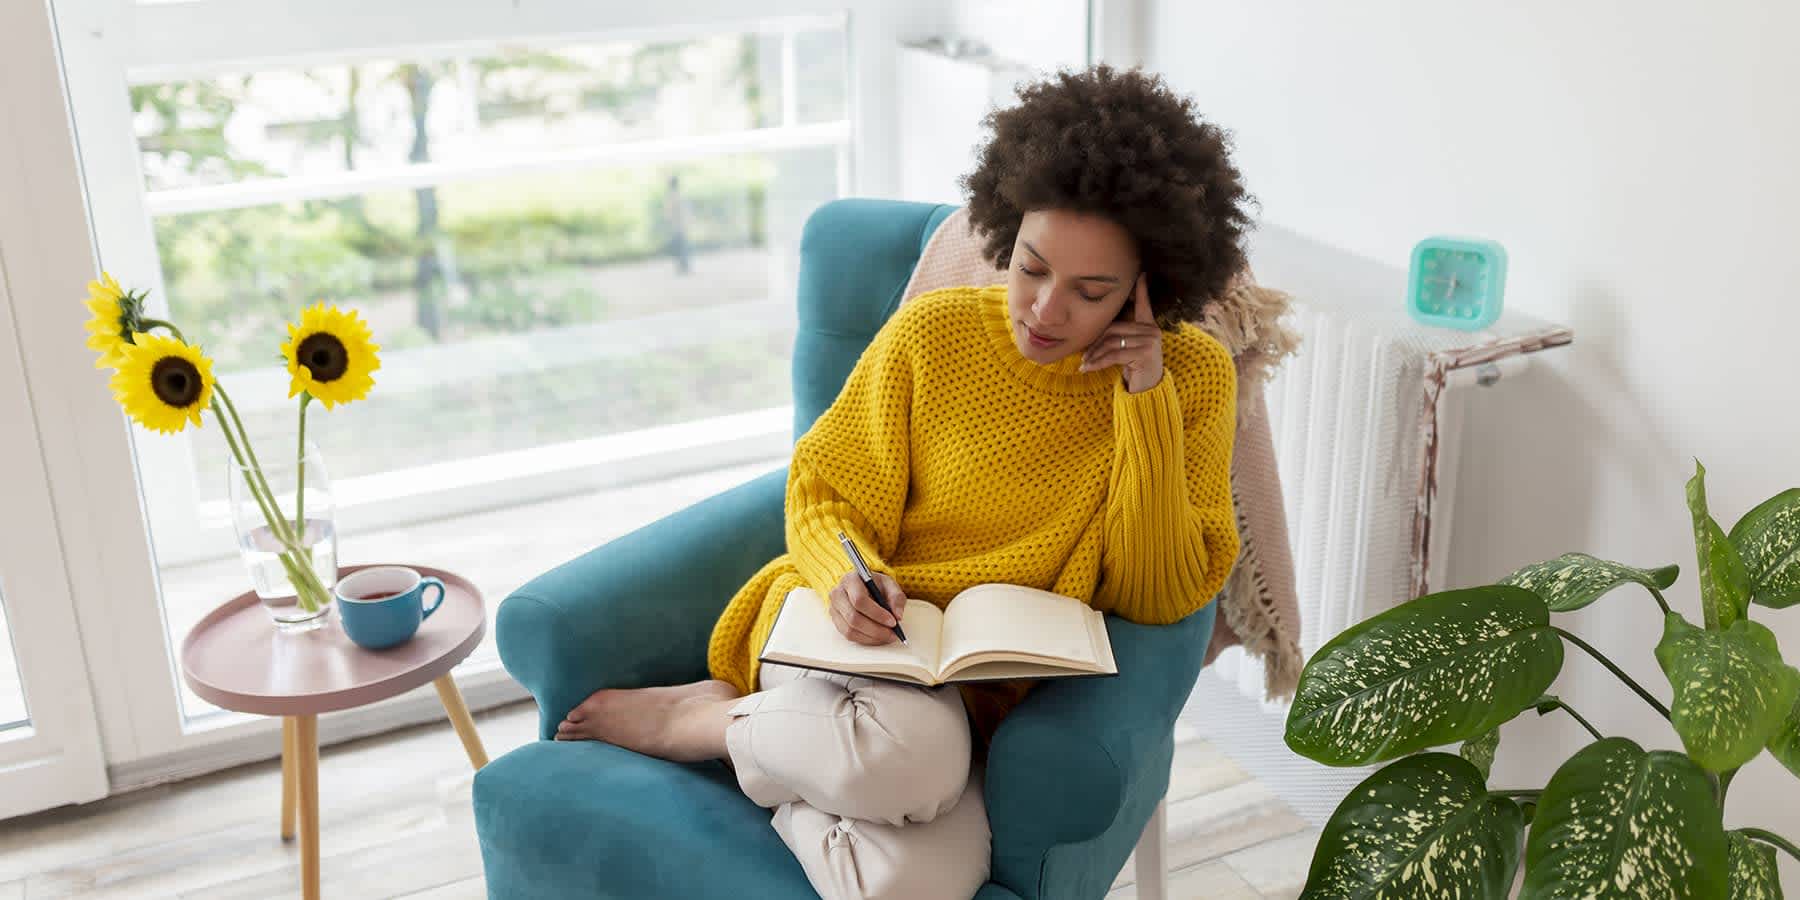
176 382
323 355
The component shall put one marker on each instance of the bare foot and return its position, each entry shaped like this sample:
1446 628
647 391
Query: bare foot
684 723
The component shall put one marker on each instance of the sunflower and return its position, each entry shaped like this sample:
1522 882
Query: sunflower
116 315
163 382
330 355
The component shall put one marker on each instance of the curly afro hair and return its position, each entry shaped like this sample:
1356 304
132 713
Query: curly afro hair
1122 145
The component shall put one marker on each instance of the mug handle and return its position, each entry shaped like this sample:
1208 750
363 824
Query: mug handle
431 581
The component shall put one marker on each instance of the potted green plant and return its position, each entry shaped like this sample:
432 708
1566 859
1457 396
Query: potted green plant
1615 820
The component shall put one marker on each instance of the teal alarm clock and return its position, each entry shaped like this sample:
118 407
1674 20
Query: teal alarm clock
1456 282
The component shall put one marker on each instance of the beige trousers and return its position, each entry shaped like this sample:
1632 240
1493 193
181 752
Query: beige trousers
870 781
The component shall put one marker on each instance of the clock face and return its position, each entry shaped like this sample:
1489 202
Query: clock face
1457 282
1453 282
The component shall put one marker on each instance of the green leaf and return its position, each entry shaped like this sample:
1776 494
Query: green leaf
1573 580
1421 827
1480 751
1785 745
1443 668
1754 873
1732 691
1724 583
1615 821
1767 539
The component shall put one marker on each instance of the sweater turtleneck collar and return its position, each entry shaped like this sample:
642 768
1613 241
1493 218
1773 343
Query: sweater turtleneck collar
1061 377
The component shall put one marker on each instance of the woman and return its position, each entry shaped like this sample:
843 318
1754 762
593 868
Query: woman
1067 430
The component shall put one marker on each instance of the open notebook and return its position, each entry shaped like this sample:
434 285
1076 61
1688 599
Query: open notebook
987 632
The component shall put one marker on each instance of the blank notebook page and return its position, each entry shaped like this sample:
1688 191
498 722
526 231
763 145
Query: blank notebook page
1018 619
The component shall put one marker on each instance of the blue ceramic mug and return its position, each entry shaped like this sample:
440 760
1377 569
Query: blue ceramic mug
382 606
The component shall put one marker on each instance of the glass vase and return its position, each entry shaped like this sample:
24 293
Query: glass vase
293 569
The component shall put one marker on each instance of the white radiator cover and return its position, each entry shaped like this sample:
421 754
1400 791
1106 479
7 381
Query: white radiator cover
1353 417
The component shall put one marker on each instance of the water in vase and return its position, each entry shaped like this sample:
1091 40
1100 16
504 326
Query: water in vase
262 555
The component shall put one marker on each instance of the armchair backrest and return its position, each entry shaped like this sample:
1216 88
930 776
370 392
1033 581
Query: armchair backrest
856 256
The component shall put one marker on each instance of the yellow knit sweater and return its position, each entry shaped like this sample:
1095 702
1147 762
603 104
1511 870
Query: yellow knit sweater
953 460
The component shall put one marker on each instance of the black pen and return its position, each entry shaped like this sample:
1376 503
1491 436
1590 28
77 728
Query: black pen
868 577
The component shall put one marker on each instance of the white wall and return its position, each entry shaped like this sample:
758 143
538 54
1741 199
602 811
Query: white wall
1042 34
1641 163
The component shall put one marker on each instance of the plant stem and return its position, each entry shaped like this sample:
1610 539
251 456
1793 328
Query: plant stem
305 583
262 501
152 323
277 521
1772 839
1659 599
300 475
1654 703
1584 723
1725 785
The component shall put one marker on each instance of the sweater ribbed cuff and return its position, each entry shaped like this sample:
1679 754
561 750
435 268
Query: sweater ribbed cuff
815 516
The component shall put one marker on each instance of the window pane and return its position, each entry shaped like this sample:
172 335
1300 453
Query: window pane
532 280
544 308
12 693
325 120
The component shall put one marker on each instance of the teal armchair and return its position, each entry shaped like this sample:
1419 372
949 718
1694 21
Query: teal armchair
1074 773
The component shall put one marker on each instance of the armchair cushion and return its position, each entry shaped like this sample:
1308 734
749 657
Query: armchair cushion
1082 755
581 819
638 610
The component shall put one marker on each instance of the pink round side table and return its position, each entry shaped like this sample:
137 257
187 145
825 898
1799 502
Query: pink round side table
235 659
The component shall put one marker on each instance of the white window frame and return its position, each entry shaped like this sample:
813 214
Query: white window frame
105 43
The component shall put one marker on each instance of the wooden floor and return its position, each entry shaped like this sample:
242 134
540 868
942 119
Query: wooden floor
397 822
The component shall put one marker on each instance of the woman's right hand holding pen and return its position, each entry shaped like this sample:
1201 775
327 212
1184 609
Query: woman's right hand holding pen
857 615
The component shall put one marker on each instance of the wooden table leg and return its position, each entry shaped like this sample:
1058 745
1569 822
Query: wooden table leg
459 717
306 739
289 773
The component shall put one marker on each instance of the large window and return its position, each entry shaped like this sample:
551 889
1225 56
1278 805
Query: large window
577 255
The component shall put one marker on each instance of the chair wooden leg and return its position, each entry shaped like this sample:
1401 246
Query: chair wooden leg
461 720
306 740
289 773
1152 869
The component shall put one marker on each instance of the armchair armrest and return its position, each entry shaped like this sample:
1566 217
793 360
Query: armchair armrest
1065 763
637 611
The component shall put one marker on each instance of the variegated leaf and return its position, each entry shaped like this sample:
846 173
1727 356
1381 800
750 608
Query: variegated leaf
1754 874
1785 745
1479 751
1724 583
1423 827
1573 580
1767 538
1732 691
1615 821
1443 668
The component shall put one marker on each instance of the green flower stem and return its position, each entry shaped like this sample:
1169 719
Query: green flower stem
255 464
300 474
303 589
156 323
1659 599
308 590
262 500
1654 703
1774 840
1558 704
